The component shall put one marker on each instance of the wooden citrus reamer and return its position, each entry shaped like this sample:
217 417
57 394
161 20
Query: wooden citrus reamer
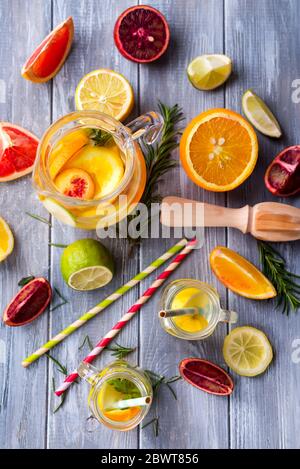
268 221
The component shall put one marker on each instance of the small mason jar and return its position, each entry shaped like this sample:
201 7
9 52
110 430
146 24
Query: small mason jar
113 207
117 370
214 314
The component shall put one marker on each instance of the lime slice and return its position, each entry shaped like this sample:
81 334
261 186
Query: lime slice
86 265
247 351
208 72
260 116
59 212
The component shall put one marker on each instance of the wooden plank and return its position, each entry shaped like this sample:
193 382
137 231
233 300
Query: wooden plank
93 48
196 420
23 392
260 39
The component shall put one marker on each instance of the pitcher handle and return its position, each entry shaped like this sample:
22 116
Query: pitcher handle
149 126
231 317
88 372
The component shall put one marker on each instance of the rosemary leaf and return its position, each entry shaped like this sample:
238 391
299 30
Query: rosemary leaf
56 245
274 268
60 295
155 424
120 352
25 280
100 137
87 341
63 369
37 217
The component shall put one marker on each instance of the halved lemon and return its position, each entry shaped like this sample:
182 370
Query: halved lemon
6 240
247 351
208 72
106 91
219 150
239 275
260 115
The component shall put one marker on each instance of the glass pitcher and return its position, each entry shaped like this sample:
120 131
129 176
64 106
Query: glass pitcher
117 167
120 395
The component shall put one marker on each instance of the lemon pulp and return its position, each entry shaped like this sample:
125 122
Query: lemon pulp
189 298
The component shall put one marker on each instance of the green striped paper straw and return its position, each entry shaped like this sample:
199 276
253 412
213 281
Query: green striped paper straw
103 304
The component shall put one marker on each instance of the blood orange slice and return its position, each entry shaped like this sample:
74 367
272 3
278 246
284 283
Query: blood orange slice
29 303
50 55
142 34
18 149
206 376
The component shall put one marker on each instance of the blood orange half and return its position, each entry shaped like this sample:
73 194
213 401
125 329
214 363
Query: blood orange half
50 55
18 149
142 34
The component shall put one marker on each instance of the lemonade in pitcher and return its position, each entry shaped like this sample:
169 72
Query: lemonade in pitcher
90 171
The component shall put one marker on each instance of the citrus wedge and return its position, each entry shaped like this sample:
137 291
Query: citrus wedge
67 147
219 150
258 113
6 240
50 55
18 149
247 351
208 72
239 275
59 212
105 91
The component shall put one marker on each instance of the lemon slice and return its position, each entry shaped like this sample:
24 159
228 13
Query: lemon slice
6 240
260 116
105 91
247 351
208 72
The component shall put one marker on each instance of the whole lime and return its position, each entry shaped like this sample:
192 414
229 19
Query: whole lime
86 265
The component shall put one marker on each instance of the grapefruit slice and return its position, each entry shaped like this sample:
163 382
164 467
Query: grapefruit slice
18 149
50 55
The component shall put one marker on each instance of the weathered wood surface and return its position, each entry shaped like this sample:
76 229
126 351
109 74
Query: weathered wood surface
262 38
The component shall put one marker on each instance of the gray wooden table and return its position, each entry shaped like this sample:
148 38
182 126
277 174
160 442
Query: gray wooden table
262 38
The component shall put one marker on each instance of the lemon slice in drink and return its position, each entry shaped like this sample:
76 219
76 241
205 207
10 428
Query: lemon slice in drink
105 91
59 212
247 351
86 265
260 116
6 240
208 72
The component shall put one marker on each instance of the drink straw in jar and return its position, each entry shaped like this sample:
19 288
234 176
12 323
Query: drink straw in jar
103 304
105 341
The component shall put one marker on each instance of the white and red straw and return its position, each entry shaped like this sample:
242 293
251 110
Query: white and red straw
129 315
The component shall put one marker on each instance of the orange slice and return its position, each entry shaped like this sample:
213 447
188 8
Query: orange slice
65 149
239 275
122 415
219 150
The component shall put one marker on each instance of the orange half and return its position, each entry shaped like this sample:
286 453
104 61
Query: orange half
239 275
219 150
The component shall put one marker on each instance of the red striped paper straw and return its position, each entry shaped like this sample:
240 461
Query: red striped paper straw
129 315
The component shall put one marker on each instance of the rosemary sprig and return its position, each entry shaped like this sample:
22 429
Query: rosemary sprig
37 217
119 351
25 280
99 137
159 159
62 369
157 382
274 268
